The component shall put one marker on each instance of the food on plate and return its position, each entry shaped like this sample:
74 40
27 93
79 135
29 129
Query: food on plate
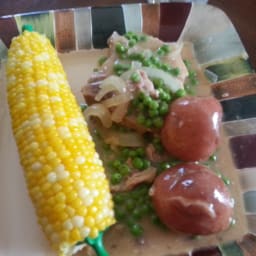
190 198
145 123
191 130
130 98
64 174
136 82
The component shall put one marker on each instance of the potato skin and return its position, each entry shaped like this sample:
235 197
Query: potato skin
190 198
191 129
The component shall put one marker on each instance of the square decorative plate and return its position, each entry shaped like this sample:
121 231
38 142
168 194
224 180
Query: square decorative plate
219 54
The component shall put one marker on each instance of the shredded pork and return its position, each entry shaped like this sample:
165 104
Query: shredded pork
136 178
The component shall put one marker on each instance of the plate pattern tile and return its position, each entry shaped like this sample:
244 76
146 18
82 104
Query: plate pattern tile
218 49
42 22
83 28
64 30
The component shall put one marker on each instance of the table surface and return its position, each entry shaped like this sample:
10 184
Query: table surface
241 13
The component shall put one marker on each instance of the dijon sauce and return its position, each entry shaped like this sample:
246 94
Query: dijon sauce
156 241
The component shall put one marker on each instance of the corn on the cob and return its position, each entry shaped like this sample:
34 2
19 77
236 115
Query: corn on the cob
64 175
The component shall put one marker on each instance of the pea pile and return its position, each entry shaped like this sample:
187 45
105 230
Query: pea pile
147 58
119 167
132 207
151 111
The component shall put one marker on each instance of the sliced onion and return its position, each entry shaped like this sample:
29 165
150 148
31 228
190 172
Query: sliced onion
124 139
135 65
117 100
119 113
110 84
100 111
170 81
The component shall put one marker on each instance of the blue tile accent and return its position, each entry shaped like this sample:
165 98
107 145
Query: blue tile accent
231 249
240 108
105 20
250 201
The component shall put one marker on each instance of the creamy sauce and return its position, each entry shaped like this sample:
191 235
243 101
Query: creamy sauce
156 241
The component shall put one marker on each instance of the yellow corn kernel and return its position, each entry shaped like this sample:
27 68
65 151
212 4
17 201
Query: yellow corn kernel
64 175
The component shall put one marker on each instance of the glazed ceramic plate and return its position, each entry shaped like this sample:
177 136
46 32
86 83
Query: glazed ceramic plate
219 53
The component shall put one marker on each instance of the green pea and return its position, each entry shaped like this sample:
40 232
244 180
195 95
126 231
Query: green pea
128 34
137 163
174 71
146 164
160 52
213 158
124 170
165 48
116 164
226 180
102 60
165 165
155 59
145 209
136 230
147 100
165 67
180 93
120 48
123 56
135 37
158 82
132 153
158 122
153 112
125 152
83 107
163 108
132 42
136 56
148 123
153 105
135 77
146 63
165 96
120 68
140 151
116 178
141 96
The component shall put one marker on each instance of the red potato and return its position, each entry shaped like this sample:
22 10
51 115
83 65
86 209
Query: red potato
191 130
190 198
